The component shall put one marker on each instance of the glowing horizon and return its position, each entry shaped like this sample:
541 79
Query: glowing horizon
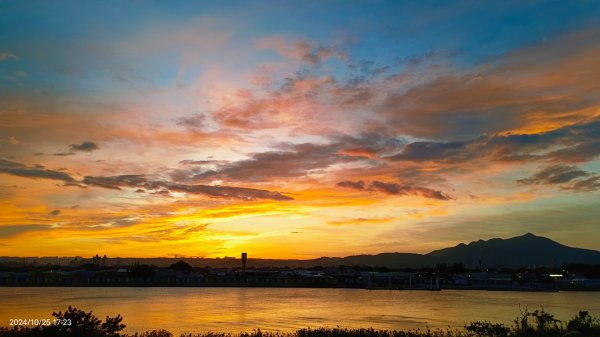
296 130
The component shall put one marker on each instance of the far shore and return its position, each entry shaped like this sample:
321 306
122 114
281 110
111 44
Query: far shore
245 285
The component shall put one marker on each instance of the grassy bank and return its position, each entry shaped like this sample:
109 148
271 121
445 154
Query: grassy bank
529 324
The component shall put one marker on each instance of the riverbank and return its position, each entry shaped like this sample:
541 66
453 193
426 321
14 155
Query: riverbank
182 274
152 284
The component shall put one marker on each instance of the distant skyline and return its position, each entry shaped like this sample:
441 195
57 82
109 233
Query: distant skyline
296 129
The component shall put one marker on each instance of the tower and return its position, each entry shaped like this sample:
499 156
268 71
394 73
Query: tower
244 260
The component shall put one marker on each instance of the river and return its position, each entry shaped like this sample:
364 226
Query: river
284 309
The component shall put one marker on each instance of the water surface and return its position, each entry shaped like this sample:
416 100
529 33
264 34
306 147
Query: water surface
243 309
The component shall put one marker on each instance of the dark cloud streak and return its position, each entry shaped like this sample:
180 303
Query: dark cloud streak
33 172
141 182
298 160
569 144
138 182
84 147
394 189
16 230
556 174
568 177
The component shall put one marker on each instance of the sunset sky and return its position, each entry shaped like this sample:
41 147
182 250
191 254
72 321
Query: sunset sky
296 129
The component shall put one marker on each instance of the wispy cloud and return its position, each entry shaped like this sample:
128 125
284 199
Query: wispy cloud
35 171
394 189
157 186
55 212
17 230
573 143
84 147
569 177
304 50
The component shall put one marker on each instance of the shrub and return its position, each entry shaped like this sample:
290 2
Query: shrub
85 324
583 322
487 329
82 324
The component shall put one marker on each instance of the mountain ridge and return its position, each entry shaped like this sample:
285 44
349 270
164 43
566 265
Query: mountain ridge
527 250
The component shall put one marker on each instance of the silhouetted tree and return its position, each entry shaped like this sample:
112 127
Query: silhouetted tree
182 266
78 323
583 322
458 268
142 270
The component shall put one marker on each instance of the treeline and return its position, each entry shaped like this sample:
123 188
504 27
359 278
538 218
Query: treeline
585 270
529 324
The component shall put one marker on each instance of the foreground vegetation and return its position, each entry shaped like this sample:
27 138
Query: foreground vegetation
530 324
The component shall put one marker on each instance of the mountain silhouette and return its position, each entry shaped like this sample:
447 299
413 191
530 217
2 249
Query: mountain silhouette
389 260
520 251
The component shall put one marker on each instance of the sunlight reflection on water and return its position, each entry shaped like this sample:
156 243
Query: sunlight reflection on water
243 309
